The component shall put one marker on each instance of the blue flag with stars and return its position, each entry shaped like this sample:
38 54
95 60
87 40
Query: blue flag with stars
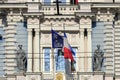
57 40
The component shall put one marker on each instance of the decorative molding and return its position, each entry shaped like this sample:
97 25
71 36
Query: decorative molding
85 21
59 18
33 21
84 14
34 14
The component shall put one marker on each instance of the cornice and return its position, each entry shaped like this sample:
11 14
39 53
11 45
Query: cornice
33 14
13 5
84 14
59 17
105 5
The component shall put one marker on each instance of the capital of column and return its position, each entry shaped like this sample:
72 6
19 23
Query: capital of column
37 30
98 11
29 30
82 30
108 10
89 30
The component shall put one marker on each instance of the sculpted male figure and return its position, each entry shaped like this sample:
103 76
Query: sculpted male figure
21 59
98 59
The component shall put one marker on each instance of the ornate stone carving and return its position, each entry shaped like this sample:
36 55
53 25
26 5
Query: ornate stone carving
21 59
98 59
33 21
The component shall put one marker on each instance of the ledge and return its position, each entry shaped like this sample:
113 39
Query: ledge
13 5
84 14
33 73
91 73
20 73
32 14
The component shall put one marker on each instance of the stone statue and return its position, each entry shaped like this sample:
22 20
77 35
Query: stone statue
21 59
98 59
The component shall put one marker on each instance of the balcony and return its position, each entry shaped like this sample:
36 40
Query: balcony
64 9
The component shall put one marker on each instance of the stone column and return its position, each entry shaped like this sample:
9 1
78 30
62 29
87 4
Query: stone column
37 51
81 50
29 61
10 46
89 50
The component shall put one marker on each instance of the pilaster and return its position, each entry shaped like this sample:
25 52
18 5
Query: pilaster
109 47
89 50
117 48
85 21
37 51
81 60
10 47
33 25
30 51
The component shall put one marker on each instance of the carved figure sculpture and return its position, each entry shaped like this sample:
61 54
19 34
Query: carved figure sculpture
21 59
98 59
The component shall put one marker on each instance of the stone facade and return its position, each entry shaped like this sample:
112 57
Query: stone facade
88 23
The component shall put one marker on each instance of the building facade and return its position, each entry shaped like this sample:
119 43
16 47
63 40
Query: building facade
87 23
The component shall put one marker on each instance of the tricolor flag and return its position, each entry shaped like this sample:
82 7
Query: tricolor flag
76 1
67 49
61 42
57 40
73 2
68 52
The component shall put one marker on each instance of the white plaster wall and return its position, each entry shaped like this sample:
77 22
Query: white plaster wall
17 1
117 0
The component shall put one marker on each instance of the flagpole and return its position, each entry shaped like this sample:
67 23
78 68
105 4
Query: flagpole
63 27
53 61
66 60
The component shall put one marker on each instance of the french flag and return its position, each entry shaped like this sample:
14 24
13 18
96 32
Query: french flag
67 50
76 1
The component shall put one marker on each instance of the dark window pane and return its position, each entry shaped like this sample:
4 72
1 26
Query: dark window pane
0 37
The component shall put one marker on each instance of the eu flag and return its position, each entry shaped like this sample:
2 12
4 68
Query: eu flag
57 40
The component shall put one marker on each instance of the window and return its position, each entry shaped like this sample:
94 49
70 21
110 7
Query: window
0 37
59 60
46 52
2 56
47 1
63 1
